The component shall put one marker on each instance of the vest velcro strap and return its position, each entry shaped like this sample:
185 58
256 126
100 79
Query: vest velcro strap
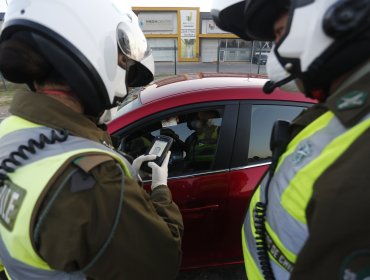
88 162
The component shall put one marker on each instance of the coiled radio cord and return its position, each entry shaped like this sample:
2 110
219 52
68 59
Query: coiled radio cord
280 136
13 161
259 215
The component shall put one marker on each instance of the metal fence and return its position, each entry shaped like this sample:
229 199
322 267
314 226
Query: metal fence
248 59
251 58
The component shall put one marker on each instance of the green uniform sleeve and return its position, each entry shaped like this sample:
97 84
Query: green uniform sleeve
146 243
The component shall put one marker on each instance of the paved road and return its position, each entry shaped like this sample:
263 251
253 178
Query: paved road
168 68
227 273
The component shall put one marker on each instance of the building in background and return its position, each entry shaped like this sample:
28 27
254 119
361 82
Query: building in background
186 34
161 27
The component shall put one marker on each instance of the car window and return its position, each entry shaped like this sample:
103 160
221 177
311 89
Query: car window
262 120
195 135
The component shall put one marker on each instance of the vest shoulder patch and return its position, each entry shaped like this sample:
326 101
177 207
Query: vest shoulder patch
304 151
352 100
88 162
11 199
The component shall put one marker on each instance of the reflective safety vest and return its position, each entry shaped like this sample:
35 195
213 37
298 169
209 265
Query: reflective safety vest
307 156
19 194
203 146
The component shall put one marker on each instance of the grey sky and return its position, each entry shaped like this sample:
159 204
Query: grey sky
204 5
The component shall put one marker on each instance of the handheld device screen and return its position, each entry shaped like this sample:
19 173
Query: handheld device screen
158 148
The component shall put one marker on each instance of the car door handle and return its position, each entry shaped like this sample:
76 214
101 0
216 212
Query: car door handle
200 209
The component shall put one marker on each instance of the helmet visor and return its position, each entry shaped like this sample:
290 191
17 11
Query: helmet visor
132 41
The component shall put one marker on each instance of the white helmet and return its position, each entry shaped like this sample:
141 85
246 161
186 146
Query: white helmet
254 19
81 39
248 19
324 39
228 16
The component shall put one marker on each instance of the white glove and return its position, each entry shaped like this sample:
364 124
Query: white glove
160 173
136 164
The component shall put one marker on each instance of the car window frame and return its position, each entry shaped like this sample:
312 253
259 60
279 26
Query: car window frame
225 146
243 131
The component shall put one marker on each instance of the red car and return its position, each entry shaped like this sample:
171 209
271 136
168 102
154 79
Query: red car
221 128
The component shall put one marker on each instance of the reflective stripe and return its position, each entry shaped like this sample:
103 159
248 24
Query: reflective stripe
308 131
327 157
251 260
21 261
292 230
312 151
285 259
252 265
17 138
13 123
294 200
287 217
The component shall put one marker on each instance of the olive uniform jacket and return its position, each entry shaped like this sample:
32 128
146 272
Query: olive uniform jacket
338 220
147 241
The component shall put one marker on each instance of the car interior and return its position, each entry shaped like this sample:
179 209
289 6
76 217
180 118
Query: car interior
194 147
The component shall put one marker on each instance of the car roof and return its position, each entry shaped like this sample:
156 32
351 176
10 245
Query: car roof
188 89
192 83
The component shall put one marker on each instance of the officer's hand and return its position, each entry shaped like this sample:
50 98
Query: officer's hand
160 173
136 164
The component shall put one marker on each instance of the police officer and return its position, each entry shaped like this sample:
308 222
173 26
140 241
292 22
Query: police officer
70 205
308 218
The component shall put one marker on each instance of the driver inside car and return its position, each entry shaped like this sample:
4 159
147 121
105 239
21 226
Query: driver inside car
201 144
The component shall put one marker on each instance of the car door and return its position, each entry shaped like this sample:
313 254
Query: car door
198 171
251 158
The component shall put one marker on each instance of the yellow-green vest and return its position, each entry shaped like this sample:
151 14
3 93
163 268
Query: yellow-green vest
203 147
307 156
19 195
